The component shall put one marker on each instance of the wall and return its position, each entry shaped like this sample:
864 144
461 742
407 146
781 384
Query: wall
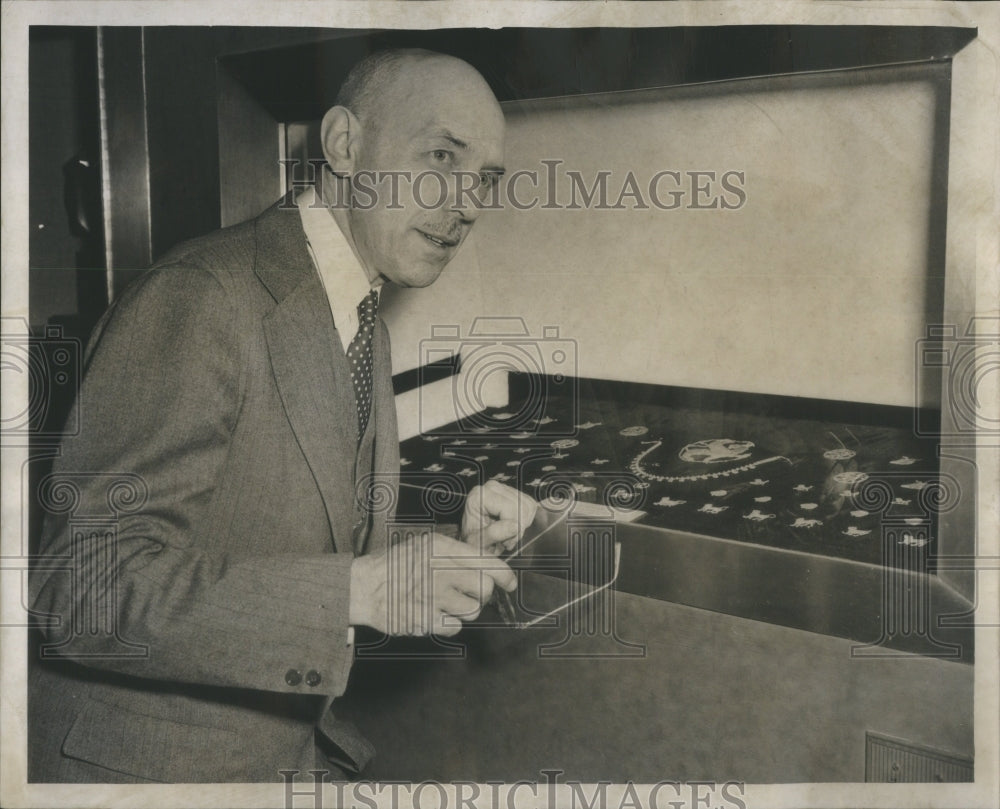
969 191
818 286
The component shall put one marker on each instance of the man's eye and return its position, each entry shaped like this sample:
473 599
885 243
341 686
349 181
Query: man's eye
488 179
441 155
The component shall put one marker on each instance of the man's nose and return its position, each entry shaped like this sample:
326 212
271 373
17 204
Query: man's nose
463 199
468 215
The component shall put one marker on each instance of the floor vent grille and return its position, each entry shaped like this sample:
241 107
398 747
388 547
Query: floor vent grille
889 760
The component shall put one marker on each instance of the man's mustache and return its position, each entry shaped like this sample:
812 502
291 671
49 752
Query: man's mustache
450 233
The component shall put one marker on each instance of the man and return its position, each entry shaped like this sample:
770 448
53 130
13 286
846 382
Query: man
236 406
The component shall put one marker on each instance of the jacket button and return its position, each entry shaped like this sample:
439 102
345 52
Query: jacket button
313 678
293 676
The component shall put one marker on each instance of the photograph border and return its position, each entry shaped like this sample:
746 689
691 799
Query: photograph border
974 183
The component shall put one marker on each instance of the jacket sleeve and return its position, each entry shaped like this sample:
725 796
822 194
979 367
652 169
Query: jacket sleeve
123 547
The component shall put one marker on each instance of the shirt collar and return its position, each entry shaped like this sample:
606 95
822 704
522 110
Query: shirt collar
344 279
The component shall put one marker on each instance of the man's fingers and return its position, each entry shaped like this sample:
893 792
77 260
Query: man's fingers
446 625
435 583
503 575
446 546
496 516
494 567
470 582
462 606
506 503
502 532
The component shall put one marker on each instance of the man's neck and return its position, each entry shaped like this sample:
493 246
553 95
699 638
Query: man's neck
333 190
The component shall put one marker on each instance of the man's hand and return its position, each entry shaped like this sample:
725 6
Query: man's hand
496 516
427 584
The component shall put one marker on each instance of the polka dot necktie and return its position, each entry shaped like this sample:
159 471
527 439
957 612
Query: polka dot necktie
359 355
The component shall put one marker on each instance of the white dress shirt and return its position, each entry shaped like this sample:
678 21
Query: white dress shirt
344 279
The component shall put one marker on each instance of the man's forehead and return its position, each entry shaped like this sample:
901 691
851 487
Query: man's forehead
447 94
470 128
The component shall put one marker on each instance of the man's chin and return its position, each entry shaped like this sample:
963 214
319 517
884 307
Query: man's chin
417 279
418 276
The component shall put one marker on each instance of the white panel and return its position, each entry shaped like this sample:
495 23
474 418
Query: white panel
815 287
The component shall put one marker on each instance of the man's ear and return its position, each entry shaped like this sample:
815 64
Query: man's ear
340 134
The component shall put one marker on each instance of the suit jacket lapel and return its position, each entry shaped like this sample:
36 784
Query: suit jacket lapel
386 436
310 372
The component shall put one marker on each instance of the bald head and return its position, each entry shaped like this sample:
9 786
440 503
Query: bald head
381 81
401 116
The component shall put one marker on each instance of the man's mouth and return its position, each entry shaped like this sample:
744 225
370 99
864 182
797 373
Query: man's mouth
442 242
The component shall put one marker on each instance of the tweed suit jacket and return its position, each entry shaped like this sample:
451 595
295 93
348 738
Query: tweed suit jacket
218 441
